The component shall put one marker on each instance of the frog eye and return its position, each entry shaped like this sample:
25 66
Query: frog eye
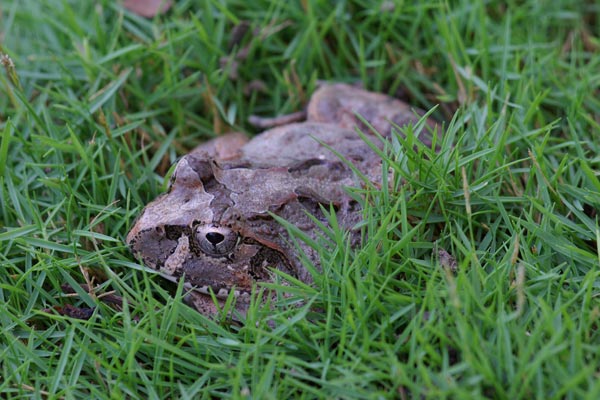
215 240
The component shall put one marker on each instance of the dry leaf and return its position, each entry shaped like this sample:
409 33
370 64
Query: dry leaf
148 8
71 311
447 260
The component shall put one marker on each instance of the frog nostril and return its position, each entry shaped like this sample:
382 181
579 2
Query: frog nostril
215 241
215 238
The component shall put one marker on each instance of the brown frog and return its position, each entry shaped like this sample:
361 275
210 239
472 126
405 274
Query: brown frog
215 227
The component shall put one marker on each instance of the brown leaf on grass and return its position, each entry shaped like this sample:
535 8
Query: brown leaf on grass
73 312
212 109
148 8
237 55
237 34
255 85
447 260
108 298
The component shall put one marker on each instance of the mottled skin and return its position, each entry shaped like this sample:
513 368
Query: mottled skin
214 226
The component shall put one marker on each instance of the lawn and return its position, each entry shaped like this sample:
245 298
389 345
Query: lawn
480 276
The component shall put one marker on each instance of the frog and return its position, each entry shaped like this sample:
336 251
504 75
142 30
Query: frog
219 225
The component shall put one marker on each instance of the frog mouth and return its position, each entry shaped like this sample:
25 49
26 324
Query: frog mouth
220 292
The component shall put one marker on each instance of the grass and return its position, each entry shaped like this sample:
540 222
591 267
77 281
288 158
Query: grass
101 103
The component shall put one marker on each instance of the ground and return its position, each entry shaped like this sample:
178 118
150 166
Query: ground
480 277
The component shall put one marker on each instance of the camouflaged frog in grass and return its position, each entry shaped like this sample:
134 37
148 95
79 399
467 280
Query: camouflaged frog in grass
214 227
